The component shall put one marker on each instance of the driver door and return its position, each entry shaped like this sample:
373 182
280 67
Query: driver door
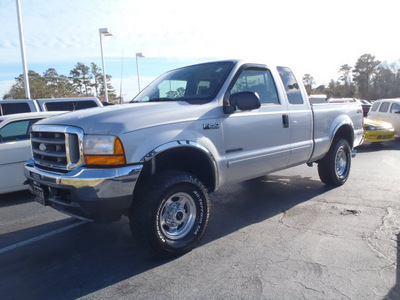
257 141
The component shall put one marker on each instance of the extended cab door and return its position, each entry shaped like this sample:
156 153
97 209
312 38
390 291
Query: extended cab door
256 141
300 117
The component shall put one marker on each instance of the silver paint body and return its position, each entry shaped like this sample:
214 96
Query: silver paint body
241 145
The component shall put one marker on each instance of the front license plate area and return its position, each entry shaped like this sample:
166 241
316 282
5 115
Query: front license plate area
39 195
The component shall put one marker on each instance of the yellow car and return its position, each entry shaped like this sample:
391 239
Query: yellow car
378 131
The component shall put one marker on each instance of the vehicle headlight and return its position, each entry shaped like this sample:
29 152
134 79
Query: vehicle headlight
370 127
103 150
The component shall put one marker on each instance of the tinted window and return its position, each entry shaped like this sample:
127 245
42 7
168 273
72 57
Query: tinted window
291 85
384 107
14 108
375 106
395 108
259 81
69 106
84 104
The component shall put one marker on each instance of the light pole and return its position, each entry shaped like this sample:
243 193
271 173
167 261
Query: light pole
137 67
105 32
21 39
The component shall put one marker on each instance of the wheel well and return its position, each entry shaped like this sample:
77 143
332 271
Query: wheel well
188 159
345 132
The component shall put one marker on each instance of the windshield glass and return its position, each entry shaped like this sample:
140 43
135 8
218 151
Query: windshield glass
200 83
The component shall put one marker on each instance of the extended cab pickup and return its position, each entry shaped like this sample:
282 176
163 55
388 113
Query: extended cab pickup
191 131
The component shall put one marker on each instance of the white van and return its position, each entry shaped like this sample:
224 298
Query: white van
387 110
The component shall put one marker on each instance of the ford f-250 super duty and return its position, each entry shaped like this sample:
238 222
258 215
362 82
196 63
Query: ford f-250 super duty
191 131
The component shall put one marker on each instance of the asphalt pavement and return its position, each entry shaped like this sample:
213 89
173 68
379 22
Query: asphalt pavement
283 236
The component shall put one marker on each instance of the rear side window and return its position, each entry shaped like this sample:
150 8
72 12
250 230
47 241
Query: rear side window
14 108
291 85
69 106
375 106
384 107
395 108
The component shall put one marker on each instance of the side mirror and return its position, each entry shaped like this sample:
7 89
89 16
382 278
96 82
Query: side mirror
245 100
396 111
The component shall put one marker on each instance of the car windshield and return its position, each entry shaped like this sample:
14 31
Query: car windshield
197 83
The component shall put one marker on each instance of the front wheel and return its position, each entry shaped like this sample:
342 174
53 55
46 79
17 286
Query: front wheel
334 168
170 214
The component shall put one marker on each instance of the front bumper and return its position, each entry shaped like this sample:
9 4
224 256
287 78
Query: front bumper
91 194
373 136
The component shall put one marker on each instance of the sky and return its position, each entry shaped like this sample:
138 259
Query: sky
311 36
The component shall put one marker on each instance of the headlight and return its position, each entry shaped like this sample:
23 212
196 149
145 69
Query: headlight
103 150
370 128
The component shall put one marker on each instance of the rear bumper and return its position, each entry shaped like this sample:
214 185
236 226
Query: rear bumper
91 194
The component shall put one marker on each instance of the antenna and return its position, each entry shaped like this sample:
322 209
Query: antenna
120 85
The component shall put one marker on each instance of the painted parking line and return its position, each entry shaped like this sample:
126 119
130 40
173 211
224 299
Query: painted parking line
42 236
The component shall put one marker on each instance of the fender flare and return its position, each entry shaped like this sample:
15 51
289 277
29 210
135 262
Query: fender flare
187 144
345 122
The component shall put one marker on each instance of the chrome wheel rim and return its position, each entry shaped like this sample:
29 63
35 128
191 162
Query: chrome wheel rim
341 163
177 216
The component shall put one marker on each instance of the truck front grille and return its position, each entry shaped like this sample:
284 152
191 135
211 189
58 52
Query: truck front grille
57 147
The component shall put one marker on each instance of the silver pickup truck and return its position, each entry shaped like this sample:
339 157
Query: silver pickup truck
191 131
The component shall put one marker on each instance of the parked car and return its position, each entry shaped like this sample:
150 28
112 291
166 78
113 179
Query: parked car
15 148
387 110
16 106
378 131
190 132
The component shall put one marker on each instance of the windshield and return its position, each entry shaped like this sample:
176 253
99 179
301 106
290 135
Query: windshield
200 83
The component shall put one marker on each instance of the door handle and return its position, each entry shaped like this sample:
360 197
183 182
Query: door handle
285 121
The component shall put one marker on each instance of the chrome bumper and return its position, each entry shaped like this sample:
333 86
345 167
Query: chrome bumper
94 194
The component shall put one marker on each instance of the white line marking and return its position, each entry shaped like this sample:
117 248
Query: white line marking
42 236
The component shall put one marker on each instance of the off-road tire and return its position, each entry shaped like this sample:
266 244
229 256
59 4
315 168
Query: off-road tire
163 201
334 168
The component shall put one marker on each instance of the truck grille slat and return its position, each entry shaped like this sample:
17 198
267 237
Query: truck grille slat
52 141
50 153
57 147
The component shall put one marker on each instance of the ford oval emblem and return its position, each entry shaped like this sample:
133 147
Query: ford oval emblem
42 147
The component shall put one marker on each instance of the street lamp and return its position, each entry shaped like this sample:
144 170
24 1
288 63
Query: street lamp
105 32
137 67
21 39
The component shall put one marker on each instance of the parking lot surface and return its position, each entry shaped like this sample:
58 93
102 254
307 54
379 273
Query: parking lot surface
283 236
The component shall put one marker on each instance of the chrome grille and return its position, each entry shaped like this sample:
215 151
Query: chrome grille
57 146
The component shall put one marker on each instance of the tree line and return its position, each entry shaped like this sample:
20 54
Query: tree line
83 81
369 79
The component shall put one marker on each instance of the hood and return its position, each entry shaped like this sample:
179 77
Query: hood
377 123
118 119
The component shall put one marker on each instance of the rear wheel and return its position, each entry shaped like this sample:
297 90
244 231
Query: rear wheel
170 214
334 168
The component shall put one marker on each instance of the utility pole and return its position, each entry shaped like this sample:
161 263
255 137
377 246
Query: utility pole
21 39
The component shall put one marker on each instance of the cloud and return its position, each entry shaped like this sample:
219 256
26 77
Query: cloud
311 36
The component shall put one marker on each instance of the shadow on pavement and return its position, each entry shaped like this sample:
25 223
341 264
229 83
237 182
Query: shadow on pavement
395 292
15 198
376 147
94 256
15 237
256 200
